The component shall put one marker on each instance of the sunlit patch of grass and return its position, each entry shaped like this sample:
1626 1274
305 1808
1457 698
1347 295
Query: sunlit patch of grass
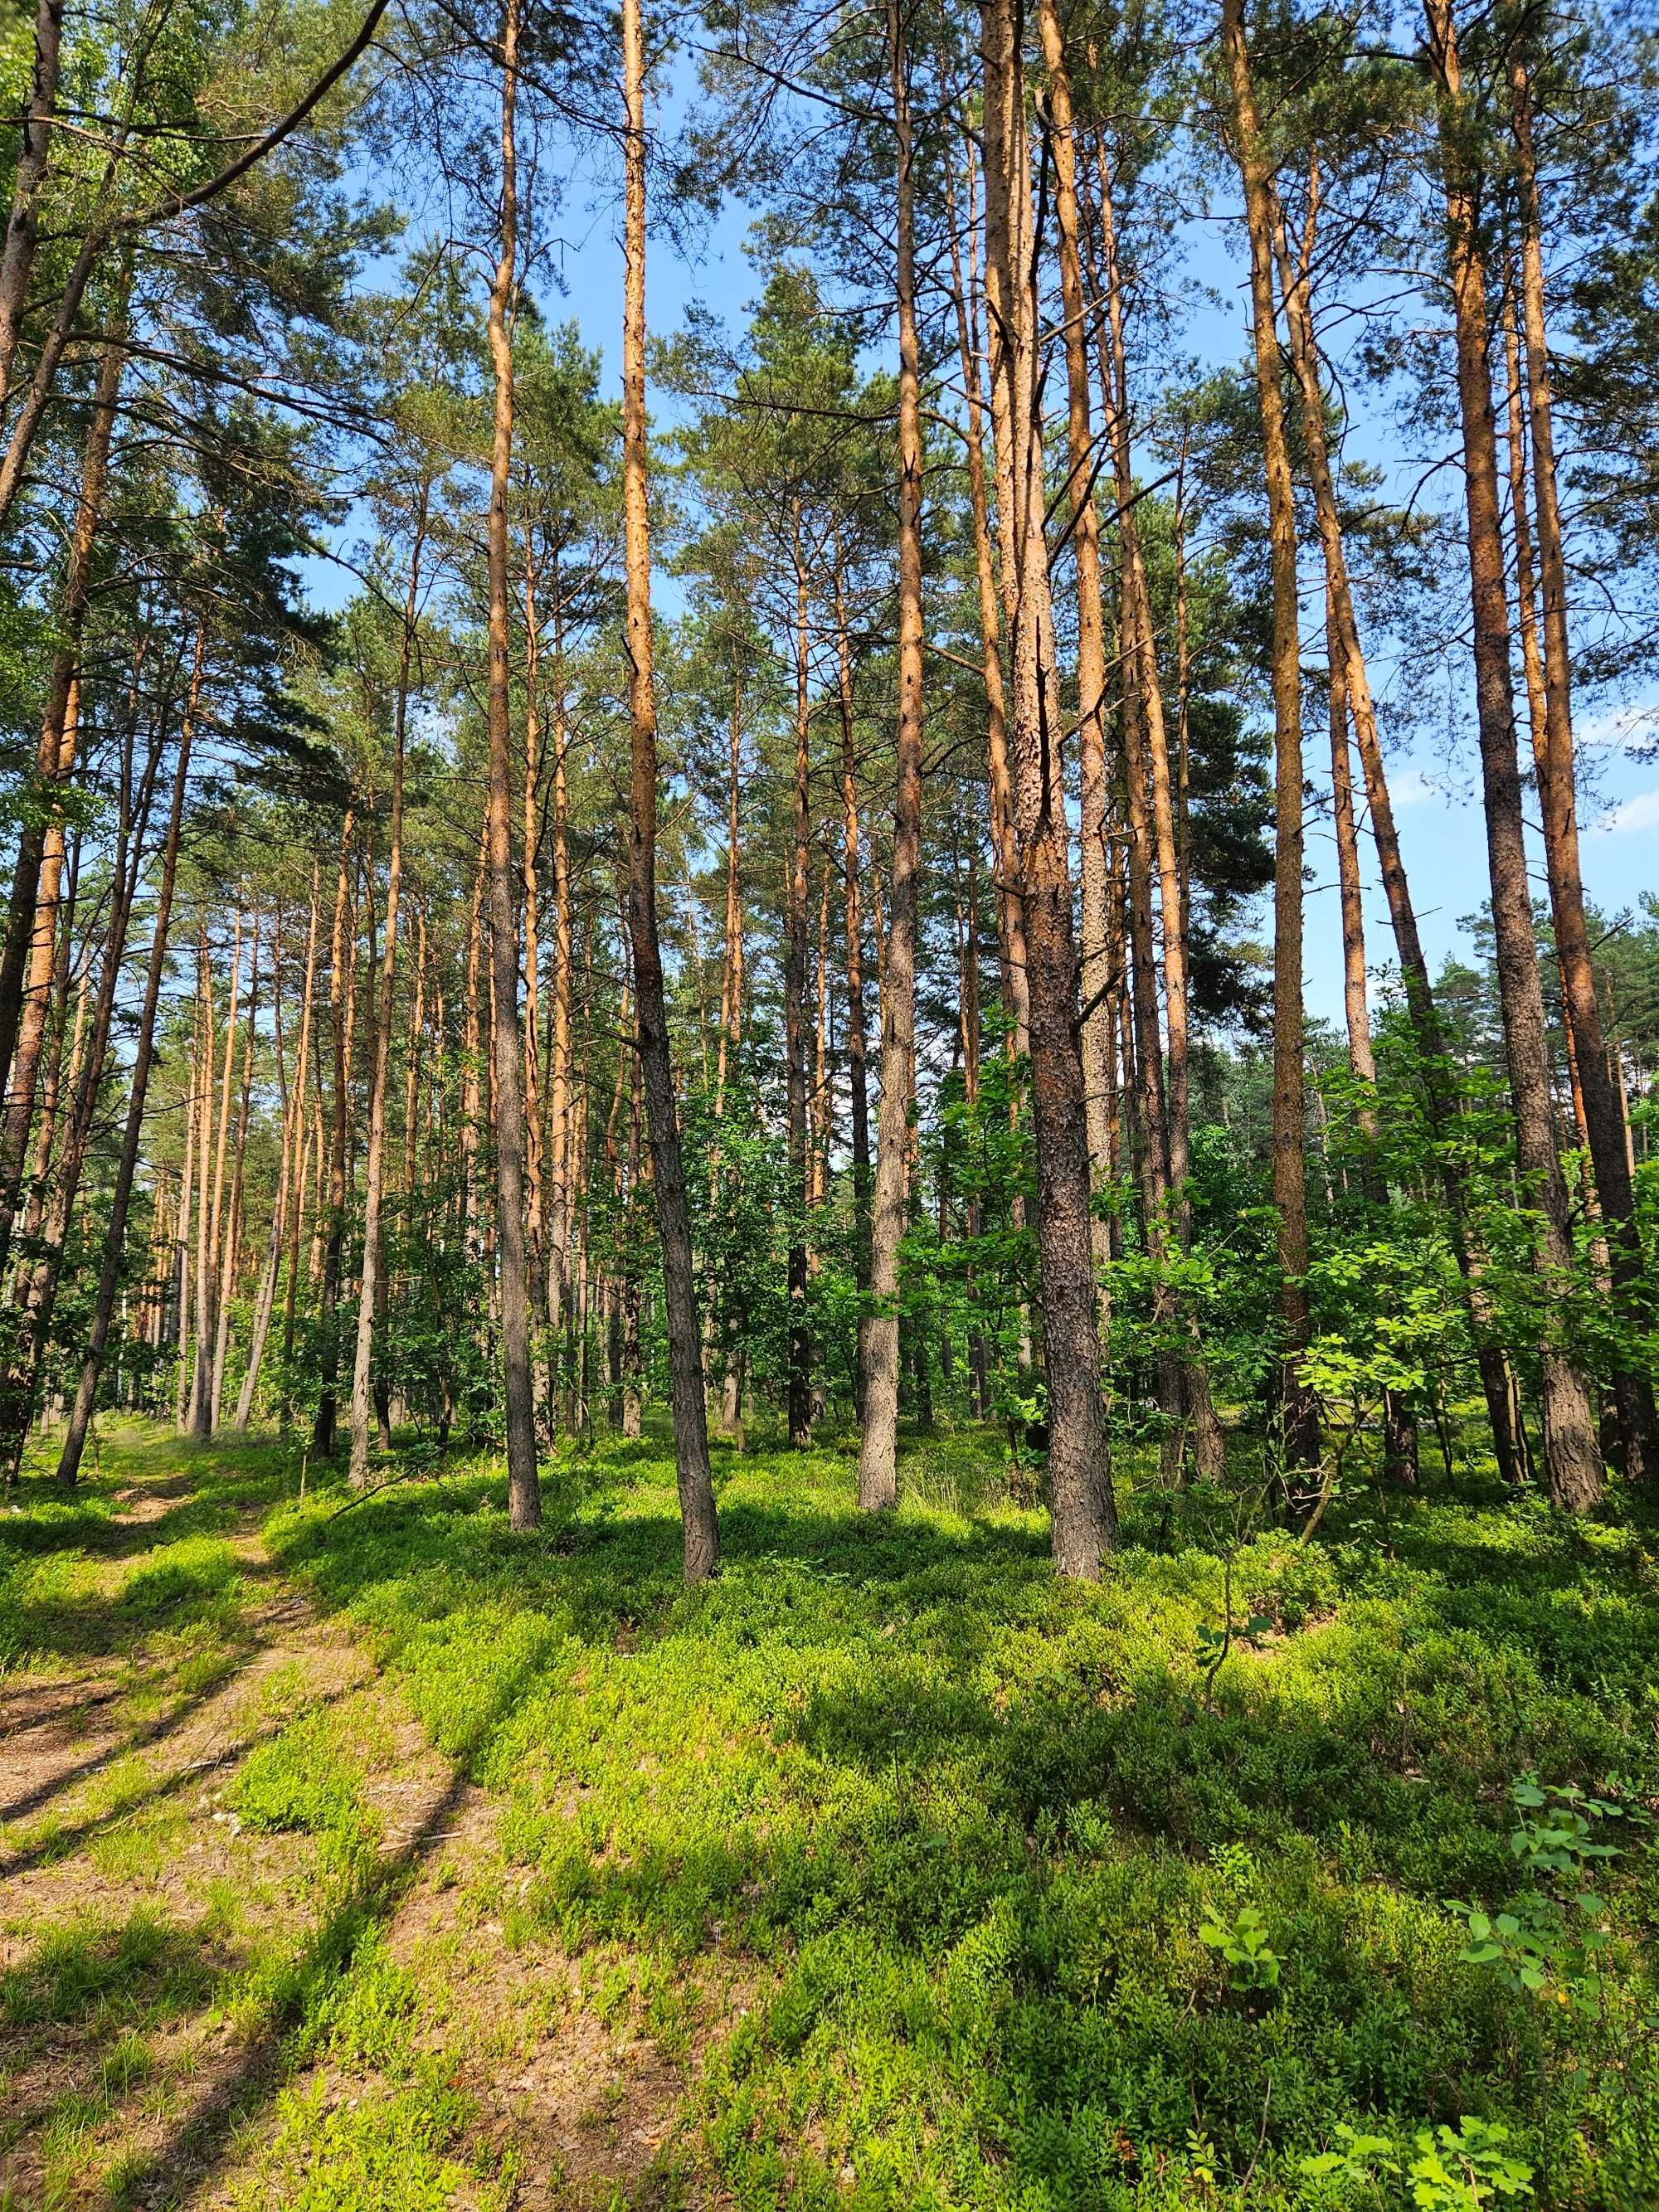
970 1817
142 1848
946 1831
396 2149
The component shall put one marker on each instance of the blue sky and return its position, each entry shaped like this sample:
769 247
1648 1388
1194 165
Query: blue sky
1435 783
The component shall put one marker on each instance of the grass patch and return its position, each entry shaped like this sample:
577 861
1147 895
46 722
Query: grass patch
947 1886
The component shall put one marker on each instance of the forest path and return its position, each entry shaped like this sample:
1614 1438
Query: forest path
248 1945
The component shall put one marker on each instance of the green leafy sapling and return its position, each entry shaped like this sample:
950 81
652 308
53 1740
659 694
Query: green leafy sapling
1454 2169
1253 1964
1544 1942
1460 2169
1360 2161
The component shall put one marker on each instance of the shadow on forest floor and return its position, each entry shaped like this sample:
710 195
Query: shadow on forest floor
381 1842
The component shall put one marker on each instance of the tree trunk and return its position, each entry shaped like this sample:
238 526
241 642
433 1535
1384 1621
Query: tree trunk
1298 1414
534 1194
103 1312
799 1381
38 1293
1095 977
26 957
206 1078
1004 844
858 1072
322 1435
207 1342
230 1246
696 1490
822 1103
1085 1519
629 1373
186 1192
878 1345
560 1135
1572 1462
285 1211
731 1029
369 1290
1558 797
33 155
506 1047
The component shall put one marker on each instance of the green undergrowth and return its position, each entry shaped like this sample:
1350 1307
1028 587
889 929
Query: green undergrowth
1220 1884
198 2032
995 1849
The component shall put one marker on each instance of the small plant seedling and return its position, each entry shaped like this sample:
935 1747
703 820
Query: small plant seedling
1358 2159
1455 2169
1533 1942
1554 1835
1253 1964
1460 2169
1235 1862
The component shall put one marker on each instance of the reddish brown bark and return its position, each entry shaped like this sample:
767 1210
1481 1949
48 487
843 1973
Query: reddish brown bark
1571 1458
696 1494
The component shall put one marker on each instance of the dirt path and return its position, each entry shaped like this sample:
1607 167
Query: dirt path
181 1988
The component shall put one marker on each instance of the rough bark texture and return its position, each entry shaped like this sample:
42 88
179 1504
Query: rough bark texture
506 1047
26 958
38 1293
1558 805
858 1073
33 153
879 1335
369 1290
799 1396
103 1311
1095 980
1299 1421
1080 1468
696 1491
1573 1461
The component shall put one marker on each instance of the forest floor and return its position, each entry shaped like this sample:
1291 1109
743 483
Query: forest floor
378 1860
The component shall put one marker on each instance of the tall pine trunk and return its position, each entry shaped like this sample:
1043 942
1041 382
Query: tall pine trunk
1572 1462
26 957
231 1243
1633 1395
1080 1470
1151 792
858 1071
34 156
1094 976
696 1490
1299 1421
799 1387
1011 923
104 1303
285 1208
322 1433
506 1047
879 1341
369 1290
